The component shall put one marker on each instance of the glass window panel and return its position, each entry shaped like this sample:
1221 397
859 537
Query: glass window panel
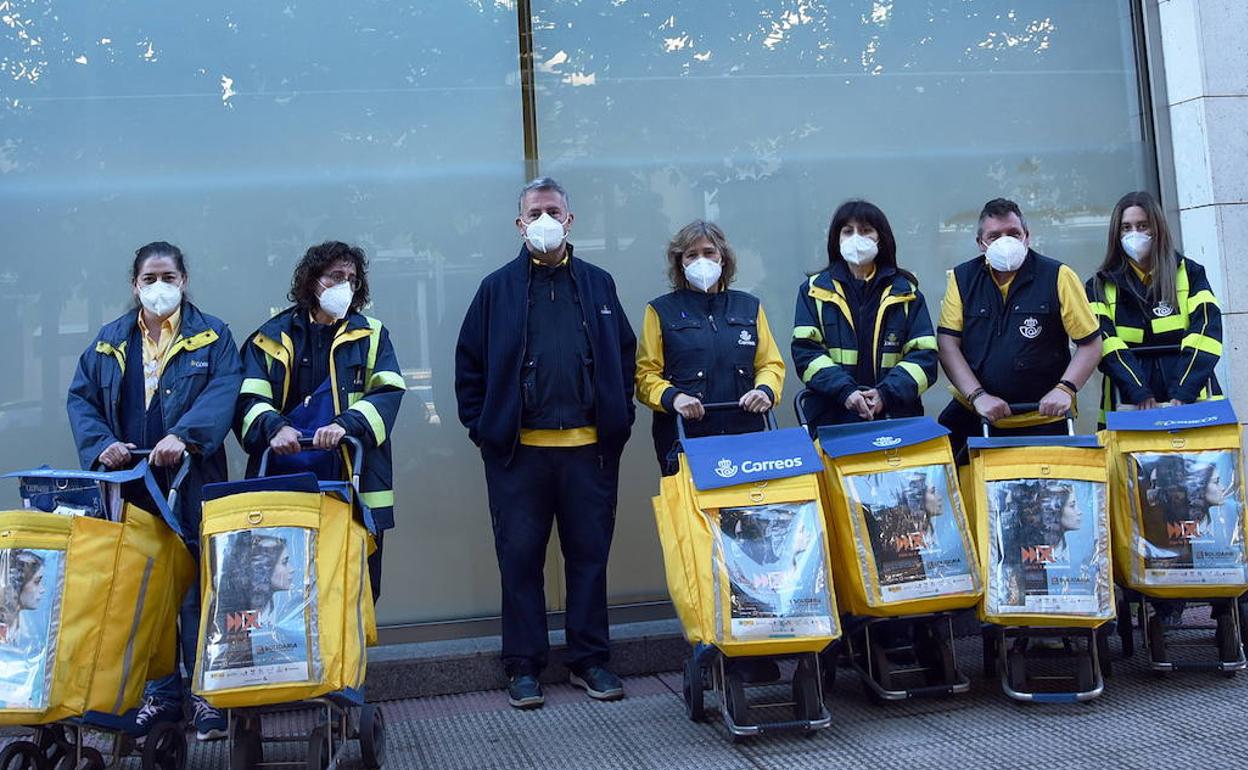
764 116
245 132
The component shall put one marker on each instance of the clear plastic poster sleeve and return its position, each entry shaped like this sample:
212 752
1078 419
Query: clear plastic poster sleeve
776 563
31 586
262 625
912 536
1048 548
1187 516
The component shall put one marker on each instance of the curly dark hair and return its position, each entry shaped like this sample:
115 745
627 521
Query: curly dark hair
313 265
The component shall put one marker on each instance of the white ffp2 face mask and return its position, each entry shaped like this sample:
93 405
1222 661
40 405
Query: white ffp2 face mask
859 250
544 234
336 300
160 298
1006 254
702 273
1137 245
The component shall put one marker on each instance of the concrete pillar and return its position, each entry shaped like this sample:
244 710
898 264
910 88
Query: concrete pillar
1205 51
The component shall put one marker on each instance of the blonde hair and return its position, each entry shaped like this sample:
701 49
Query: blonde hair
691 234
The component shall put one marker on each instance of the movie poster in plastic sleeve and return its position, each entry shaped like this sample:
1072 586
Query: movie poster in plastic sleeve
913 523
1188 510
262 624
776 564
31 586
1048 547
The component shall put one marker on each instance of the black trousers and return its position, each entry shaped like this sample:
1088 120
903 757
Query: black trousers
374 566
574 488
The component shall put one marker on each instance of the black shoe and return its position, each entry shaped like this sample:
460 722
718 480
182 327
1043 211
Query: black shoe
599 683
525 692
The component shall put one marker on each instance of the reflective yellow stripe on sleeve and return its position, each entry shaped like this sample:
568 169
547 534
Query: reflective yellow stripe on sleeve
381 499
1112 345
386 379
816 366
920 343
889 360
807 333
255 411
1202 343
916 373
256 386
1130 333
374 419
1204 297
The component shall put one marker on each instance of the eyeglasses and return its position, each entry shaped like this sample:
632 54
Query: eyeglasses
338 277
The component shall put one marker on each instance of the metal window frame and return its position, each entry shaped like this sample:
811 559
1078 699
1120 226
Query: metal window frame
1155 110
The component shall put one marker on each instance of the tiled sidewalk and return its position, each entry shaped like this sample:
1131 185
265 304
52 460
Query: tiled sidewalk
1188 720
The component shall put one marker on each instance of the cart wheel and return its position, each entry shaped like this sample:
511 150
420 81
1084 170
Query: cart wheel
1085 677
1156 639
827 666
882 667
1229 646
1103 654
991 650
22 755
372 736
246 749
318 748
1016 670
734 693
806 690
92 759
1126 628
53 743
165 747
694 691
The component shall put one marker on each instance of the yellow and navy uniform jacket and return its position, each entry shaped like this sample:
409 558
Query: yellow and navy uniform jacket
1016 338
1130 320
197 387
715 347
877 336
367 388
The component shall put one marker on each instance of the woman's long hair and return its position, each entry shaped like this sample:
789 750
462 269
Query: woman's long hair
1164 284
867 213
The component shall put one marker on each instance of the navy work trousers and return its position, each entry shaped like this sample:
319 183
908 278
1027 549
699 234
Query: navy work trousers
575 488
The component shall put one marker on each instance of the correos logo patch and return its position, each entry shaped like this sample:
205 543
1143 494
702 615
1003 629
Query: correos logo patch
727 469
883 441
1173 423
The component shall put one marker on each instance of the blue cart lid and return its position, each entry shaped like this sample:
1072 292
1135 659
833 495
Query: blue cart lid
141 471
1202 414
997 442
859 438
726 461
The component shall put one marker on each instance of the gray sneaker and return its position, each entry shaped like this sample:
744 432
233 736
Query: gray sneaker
525 692
599 683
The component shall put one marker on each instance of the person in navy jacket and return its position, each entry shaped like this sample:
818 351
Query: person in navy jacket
164 376
544 381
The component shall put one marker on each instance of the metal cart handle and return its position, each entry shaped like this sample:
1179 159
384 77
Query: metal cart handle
769 416
1024 408
180 476
356 454
184 468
